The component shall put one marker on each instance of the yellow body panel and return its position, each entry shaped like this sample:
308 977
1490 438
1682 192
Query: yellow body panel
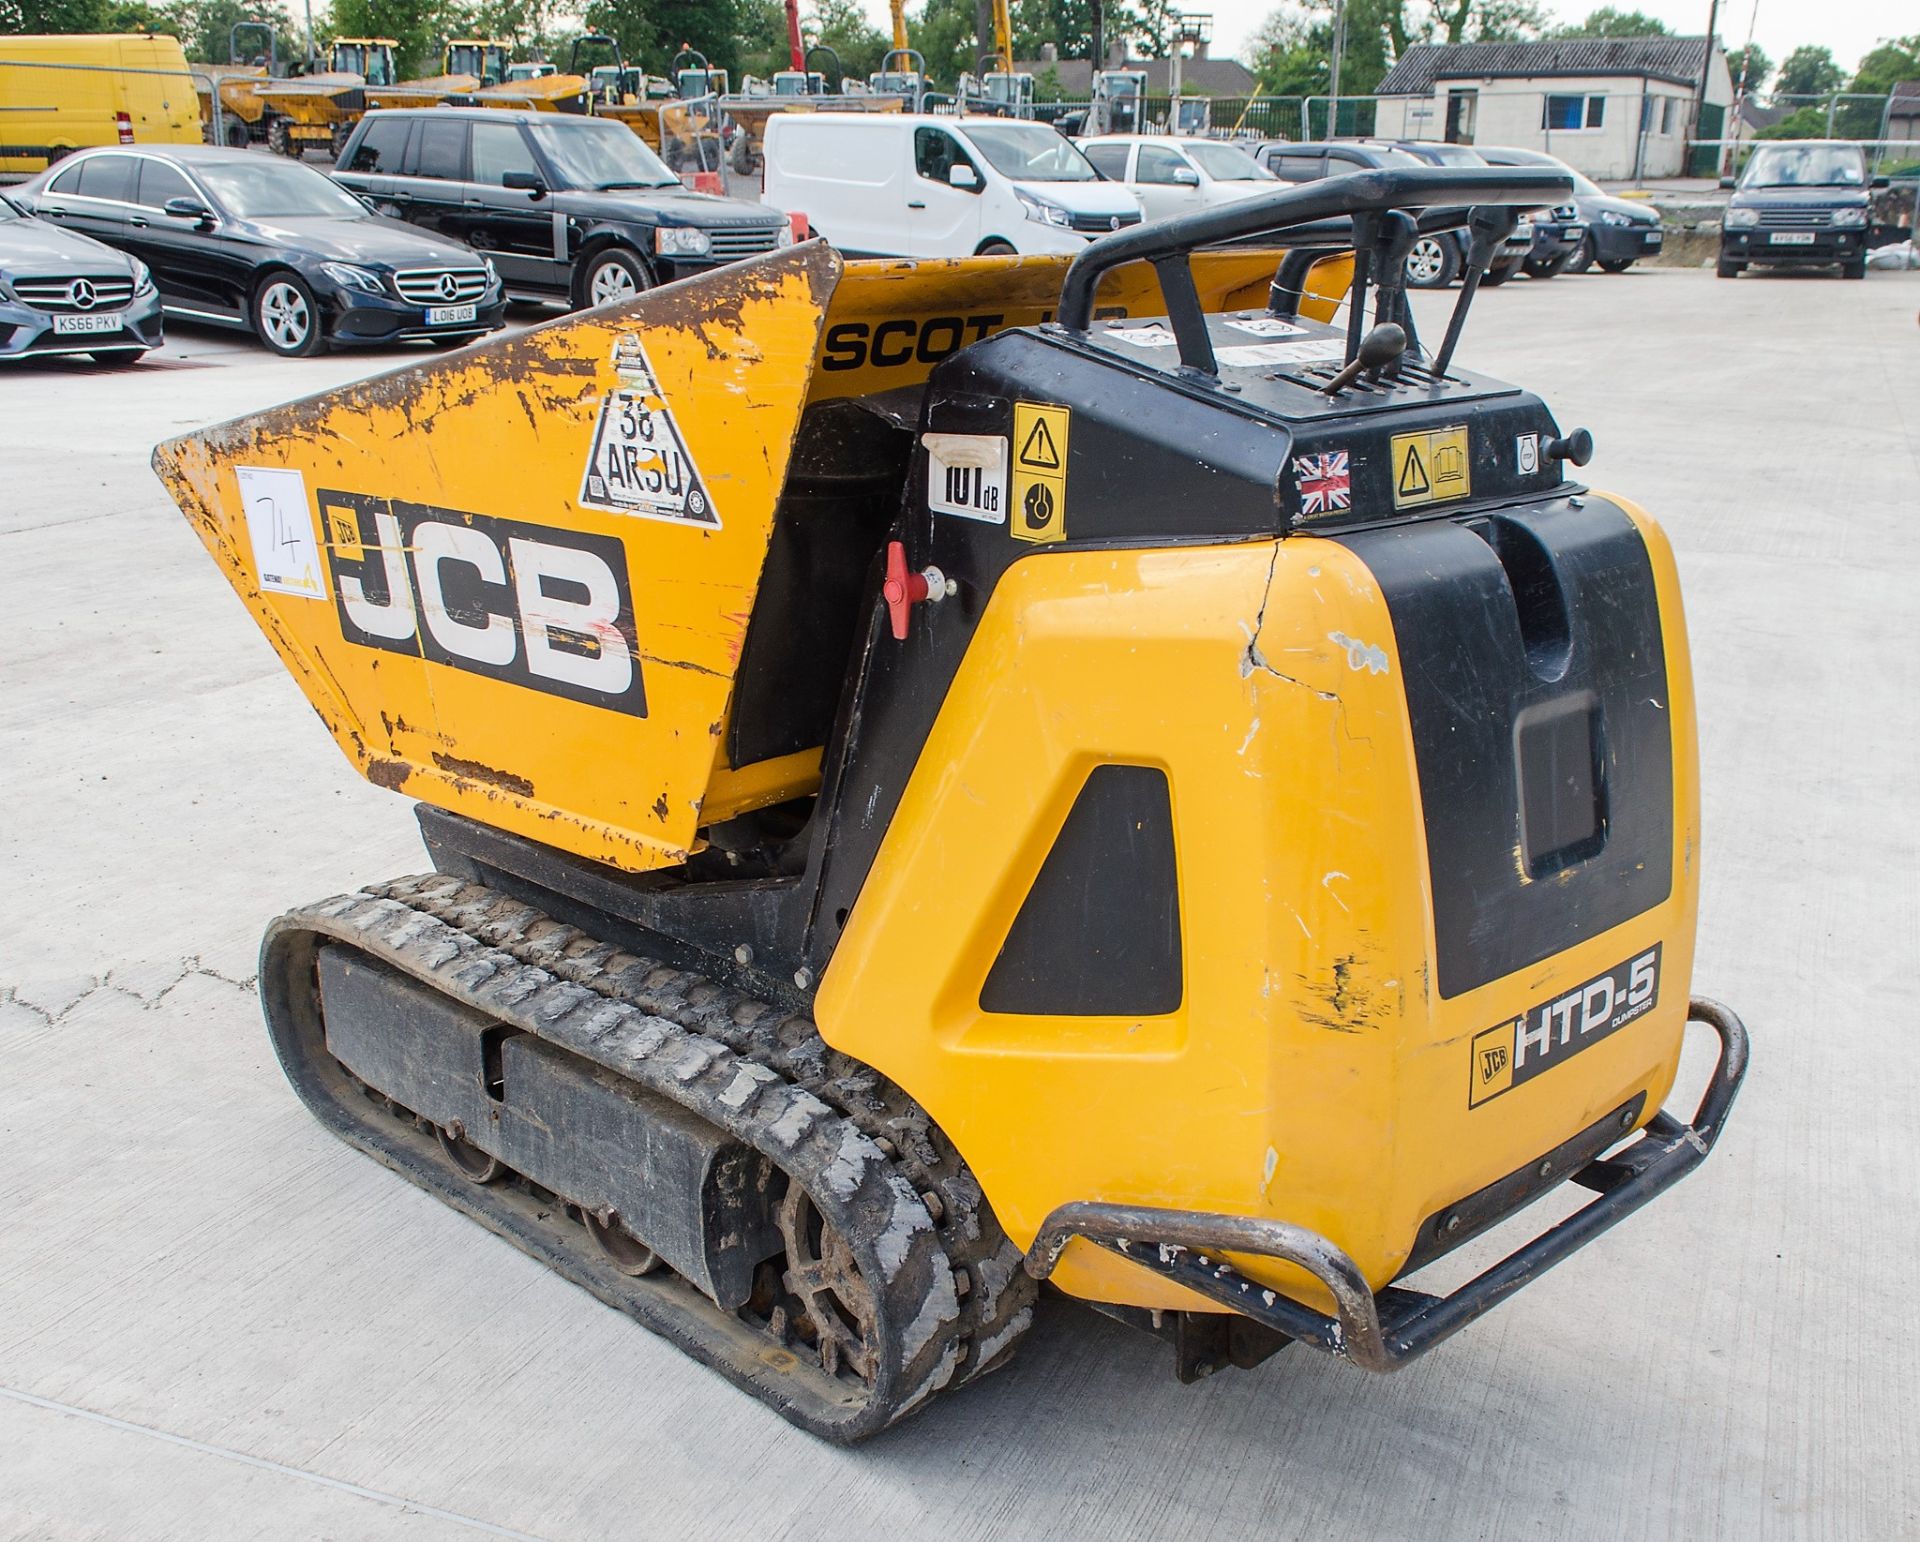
505 432
1311 1074
65 109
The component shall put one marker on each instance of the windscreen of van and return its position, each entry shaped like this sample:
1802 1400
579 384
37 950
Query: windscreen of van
1030 152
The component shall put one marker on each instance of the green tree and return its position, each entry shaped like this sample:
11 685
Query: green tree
34 16
1880 71
1751 64
209 32
1808 71
1611 21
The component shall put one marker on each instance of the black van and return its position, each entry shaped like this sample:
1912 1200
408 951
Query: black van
569 208
1799 204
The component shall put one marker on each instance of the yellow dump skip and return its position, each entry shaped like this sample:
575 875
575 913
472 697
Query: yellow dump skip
515 583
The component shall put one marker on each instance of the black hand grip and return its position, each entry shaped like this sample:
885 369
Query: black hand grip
1360 192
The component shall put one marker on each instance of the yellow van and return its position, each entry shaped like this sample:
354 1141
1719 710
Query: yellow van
110 92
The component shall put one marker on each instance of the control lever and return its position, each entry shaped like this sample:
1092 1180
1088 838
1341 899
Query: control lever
1379 348
1576 447
1488 228
903 589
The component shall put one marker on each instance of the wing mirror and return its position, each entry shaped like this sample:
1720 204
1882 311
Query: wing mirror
529 182
1726 181
960 174
1185 176
189 209
1880 182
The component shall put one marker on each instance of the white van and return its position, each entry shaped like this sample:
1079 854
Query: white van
913 185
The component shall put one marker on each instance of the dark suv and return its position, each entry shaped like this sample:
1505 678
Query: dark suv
572 208
1799 204
1436 260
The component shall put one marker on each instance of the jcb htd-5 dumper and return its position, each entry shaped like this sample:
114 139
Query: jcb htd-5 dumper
941 776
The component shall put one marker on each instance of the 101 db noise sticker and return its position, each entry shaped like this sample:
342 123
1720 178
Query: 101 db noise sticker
967 475
639 463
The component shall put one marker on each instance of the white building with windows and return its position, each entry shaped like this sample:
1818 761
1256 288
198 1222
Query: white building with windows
1615 108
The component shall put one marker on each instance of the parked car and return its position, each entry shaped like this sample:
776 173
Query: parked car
272 247
63 293
1618 231
1434 261
1553 238
67 92
569 208
1799 204
1173 176
912 185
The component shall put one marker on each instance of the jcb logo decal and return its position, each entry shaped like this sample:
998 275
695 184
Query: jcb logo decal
1520 1050
536 607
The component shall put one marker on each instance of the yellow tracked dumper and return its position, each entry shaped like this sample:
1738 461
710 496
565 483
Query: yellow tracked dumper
944 776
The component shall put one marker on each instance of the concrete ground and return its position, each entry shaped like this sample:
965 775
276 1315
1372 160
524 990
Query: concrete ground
217 1321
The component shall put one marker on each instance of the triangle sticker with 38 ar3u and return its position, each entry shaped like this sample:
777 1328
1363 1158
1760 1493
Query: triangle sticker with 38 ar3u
639 463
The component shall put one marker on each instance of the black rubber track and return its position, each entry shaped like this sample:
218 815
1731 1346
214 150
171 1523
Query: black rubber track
951 1296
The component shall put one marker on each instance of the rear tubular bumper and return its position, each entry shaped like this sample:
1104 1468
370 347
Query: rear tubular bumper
1384 1330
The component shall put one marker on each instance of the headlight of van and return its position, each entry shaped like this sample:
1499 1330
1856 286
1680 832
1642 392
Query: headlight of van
142 277
1742 219
1849 218
681 241
347 275
1046 213
1611 217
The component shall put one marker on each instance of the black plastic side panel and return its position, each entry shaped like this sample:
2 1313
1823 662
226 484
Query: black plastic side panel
1536 685
1099 932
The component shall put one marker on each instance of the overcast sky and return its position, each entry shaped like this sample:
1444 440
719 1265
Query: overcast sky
1848 27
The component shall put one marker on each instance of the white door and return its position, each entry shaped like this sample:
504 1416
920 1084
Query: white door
1165 182
943 220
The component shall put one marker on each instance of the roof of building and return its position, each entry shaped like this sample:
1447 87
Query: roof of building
1675 59
1198 77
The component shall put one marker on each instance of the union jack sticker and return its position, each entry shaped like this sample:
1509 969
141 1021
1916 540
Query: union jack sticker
1325 483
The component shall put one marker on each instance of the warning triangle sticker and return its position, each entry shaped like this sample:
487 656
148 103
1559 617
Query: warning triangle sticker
1039 451
1413 475
639 463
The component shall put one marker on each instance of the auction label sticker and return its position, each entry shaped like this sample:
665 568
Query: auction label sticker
639 462
967 475
285 554
1312 350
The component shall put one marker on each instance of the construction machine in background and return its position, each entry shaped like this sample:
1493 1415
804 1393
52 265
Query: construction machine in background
996 87
798 89
318 111
1119 98
941 776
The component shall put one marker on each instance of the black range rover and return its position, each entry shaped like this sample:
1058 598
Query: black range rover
571 208
1799 204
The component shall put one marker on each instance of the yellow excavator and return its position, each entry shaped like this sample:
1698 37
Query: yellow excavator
1139 772
318 111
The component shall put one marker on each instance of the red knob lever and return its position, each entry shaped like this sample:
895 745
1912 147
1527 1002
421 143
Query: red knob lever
903 589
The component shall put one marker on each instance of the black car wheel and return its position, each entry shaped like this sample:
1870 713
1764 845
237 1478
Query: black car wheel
1615 264
1726 267
1544 267
238 134
1582 257
1431 263
1854 269
610 275
286 317
995 248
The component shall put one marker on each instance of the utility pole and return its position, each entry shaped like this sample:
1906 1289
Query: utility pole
1700 96
1333 71
1099 61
